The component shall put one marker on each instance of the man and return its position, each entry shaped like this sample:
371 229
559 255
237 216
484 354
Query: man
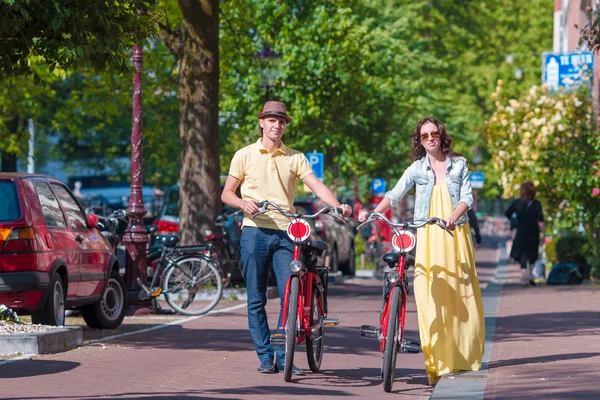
267 170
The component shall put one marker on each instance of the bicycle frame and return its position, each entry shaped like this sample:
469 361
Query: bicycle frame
401 284
306 280
400 281
306 275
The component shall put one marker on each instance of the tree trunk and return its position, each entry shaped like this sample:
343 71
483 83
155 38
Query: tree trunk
200 190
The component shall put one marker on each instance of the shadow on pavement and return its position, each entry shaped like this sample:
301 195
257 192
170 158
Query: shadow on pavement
363 377
29 368
532 326
541 359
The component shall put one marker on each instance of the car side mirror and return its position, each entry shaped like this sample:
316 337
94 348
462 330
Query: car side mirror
92 220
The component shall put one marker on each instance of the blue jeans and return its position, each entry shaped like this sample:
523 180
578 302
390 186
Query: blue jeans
259 248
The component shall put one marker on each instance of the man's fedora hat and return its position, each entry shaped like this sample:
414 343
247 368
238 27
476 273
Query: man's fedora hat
274 108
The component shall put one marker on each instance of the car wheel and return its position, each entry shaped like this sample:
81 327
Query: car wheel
53 312
349 267
108 313
333 260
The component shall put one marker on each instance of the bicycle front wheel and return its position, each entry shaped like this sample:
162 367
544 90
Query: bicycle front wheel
291 328
193 285
391 341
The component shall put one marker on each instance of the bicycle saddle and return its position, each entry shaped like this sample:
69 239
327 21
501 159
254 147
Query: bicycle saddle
317 244
391 257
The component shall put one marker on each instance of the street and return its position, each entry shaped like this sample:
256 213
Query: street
534 353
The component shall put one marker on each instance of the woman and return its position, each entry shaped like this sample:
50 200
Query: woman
530 222
447 293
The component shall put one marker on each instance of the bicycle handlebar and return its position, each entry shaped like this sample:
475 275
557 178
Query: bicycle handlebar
335 212
374 216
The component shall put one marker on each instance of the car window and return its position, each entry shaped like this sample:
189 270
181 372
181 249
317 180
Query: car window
9 202
53 215
75 216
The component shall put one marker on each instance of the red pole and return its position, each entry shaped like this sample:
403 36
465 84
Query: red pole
135 237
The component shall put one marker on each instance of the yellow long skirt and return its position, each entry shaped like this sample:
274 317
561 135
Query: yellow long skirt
447 293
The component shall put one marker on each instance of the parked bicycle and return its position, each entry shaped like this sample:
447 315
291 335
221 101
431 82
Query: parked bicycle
184 276
305 300
225 249
395 291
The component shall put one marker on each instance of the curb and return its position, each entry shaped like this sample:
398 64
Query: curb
56 341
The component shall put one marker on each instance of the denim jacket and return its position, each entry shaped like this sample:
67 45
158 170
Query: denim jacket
421 174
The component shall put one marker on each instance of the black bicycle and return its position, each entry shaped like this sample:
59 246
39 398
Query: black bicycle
183 276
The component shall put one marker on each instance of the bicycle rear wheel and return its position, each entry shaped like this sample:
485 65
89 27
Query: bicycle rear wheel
193 286
290 328
391 341
314 347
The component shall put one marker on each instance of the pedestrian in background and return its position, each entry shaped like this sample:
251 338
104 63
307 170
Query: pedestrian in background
530 225
267 170
474 227
447 292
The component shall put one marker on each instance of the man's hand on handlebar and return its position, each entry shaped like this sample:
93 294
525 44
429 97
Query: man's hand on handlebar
363 215
346 210
249 207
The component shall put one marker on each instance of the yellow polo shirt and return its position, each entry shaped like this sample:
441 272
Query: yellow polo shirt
269 176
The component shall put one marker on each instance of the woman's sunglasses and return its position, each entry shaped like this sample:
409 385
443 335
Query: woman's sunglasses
425 136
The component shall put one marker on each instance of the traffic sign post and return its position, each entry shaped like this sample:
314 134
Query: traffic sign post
317 162
477 179
378 185
567 70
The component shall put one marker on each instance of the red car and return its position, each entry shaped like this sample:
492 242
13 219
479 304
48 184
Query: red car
52 257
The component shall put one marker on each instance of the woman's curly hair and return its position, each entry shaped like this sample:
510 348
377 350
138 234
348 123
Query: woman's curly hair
446 141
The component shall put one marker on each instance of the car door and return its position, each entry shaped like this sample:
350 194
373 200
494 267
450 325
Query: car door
59 239
93 254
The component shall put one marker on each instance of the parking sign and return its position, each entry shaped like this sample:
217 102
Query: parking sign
317 162
378 185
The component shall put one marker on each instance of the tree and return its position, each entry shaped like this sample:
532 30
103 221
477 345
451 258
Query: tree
195 43
70 33
551 139
38 38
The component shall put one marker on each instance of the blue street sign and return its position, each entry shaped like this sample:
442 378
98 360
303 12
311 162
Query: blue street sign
477 179
317 162
378 185
566 70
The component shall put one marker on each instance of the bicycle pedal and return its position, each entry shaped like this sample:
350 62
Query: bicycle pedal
278 339
410 347
369 331
156 292
331 322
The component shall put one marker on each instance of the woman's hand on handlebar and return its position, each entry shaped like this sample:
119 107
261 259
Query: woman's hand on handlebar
249 207
363 215
450 223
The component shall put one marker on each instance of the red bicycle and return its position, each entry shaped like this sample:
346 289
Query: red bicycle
305 300
395 291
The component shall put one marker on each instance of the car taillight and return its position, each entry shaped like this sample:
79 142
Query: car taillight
166 226
19 240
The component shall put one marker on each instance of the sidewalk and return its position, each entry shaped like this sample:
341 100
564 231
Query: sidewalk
547 342
541 342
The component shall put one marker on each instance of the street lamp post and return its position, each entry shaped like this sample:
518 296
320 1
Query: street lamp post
135 237
271 64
